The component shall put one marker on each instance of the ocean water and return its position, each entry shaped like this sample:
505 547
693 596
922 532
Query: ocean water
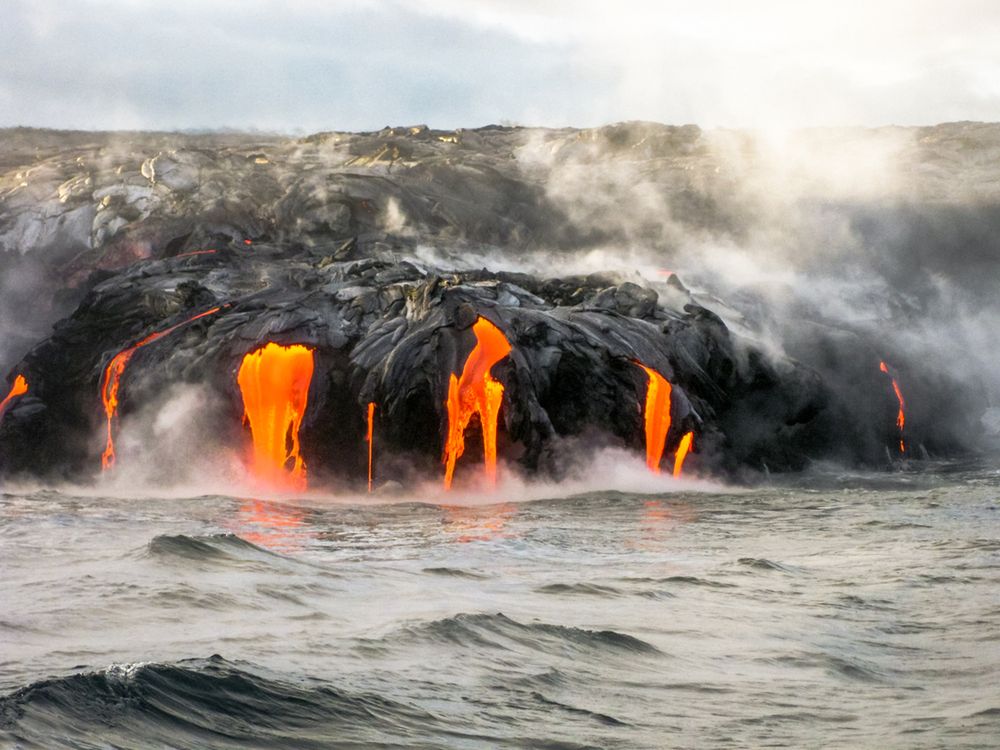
827 611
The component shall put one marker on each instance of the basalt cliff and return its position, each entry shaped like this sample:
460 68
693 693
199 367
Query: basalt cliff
356 308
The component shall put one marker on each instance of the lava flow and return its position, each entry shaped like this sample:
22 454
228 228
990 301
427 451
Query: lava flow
370 436
657 417
900 417
682 451
476 392
274 382
111 382
19 388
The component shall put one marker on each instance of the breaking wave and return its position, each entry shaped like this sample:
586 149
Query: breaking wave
200 703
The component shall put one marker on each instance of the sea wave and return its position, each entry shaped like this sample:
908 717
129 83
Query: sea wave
202 703
499 631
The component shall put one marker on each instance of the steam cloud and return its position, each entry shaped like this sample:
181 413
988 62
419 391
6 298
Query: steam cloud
836 247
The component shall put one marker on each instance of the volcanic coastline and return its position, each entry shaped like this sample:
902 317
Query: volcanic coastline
136 263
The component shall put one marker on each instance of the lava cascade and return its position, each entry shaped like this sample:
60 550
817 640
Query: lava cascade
111 382
682 450
476 392
369 437
901 416
19 388
274 382
657 416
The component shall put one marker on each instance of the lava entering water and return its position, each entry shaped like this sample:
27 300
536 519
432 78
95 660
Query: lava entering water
682 451
111 382
274 382
371 446
900 417
19 388
657 416
476 392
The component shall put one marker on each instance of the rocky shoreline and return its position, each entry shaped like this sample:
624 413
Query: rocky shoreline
374 250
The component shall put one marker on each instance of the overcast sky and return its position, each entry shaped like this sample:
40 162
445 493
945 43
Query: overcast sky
307 65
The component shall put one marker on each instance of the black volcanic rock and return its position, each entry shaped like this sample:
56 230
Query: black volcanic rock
391 333
381 250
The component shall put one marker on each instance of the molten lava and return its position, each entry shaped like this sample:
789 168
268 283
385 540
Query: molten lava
19 388
476 392
274 382
900 417
111 382
682 451
657 416
371 445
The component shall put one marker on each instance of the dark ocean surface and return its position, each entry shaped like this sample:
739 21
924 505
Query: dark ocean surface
827 611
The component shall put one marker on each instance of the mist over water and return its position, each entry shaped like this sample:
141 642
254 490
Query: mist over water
833 609
172 603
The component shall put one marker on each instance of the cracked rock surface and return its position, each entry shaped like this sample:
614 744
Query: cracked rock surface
380 250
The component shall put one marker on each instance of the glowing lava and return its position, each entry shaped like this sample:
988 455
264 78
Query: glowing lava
682 451
371 445
274 382
657 416
476 392
19 388
111 382
900 417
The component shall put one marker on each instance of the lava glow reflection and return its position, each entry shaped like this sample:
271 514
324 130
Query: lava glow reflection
476 392
274 382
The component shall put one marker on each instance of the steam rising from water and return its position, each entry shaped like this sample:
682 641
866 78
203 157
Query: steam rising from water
884 238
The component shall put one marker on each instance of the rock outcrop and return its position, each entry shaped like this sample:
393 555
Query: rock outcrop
380 251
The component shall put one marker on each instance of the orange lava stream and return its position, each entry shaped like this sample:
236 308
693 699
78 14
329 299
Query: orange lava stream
682 451
274 382
371 445
476 392
657 416
900 417
19 388
111 382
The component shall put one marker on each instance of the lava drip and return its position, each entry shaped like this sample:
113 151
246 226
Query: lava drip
19 388
370 438
112 378
476 392
274 382
657 417
682 451
900 417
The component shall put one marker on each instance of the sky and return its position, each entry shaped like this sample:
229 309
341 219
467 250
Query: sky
308 65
